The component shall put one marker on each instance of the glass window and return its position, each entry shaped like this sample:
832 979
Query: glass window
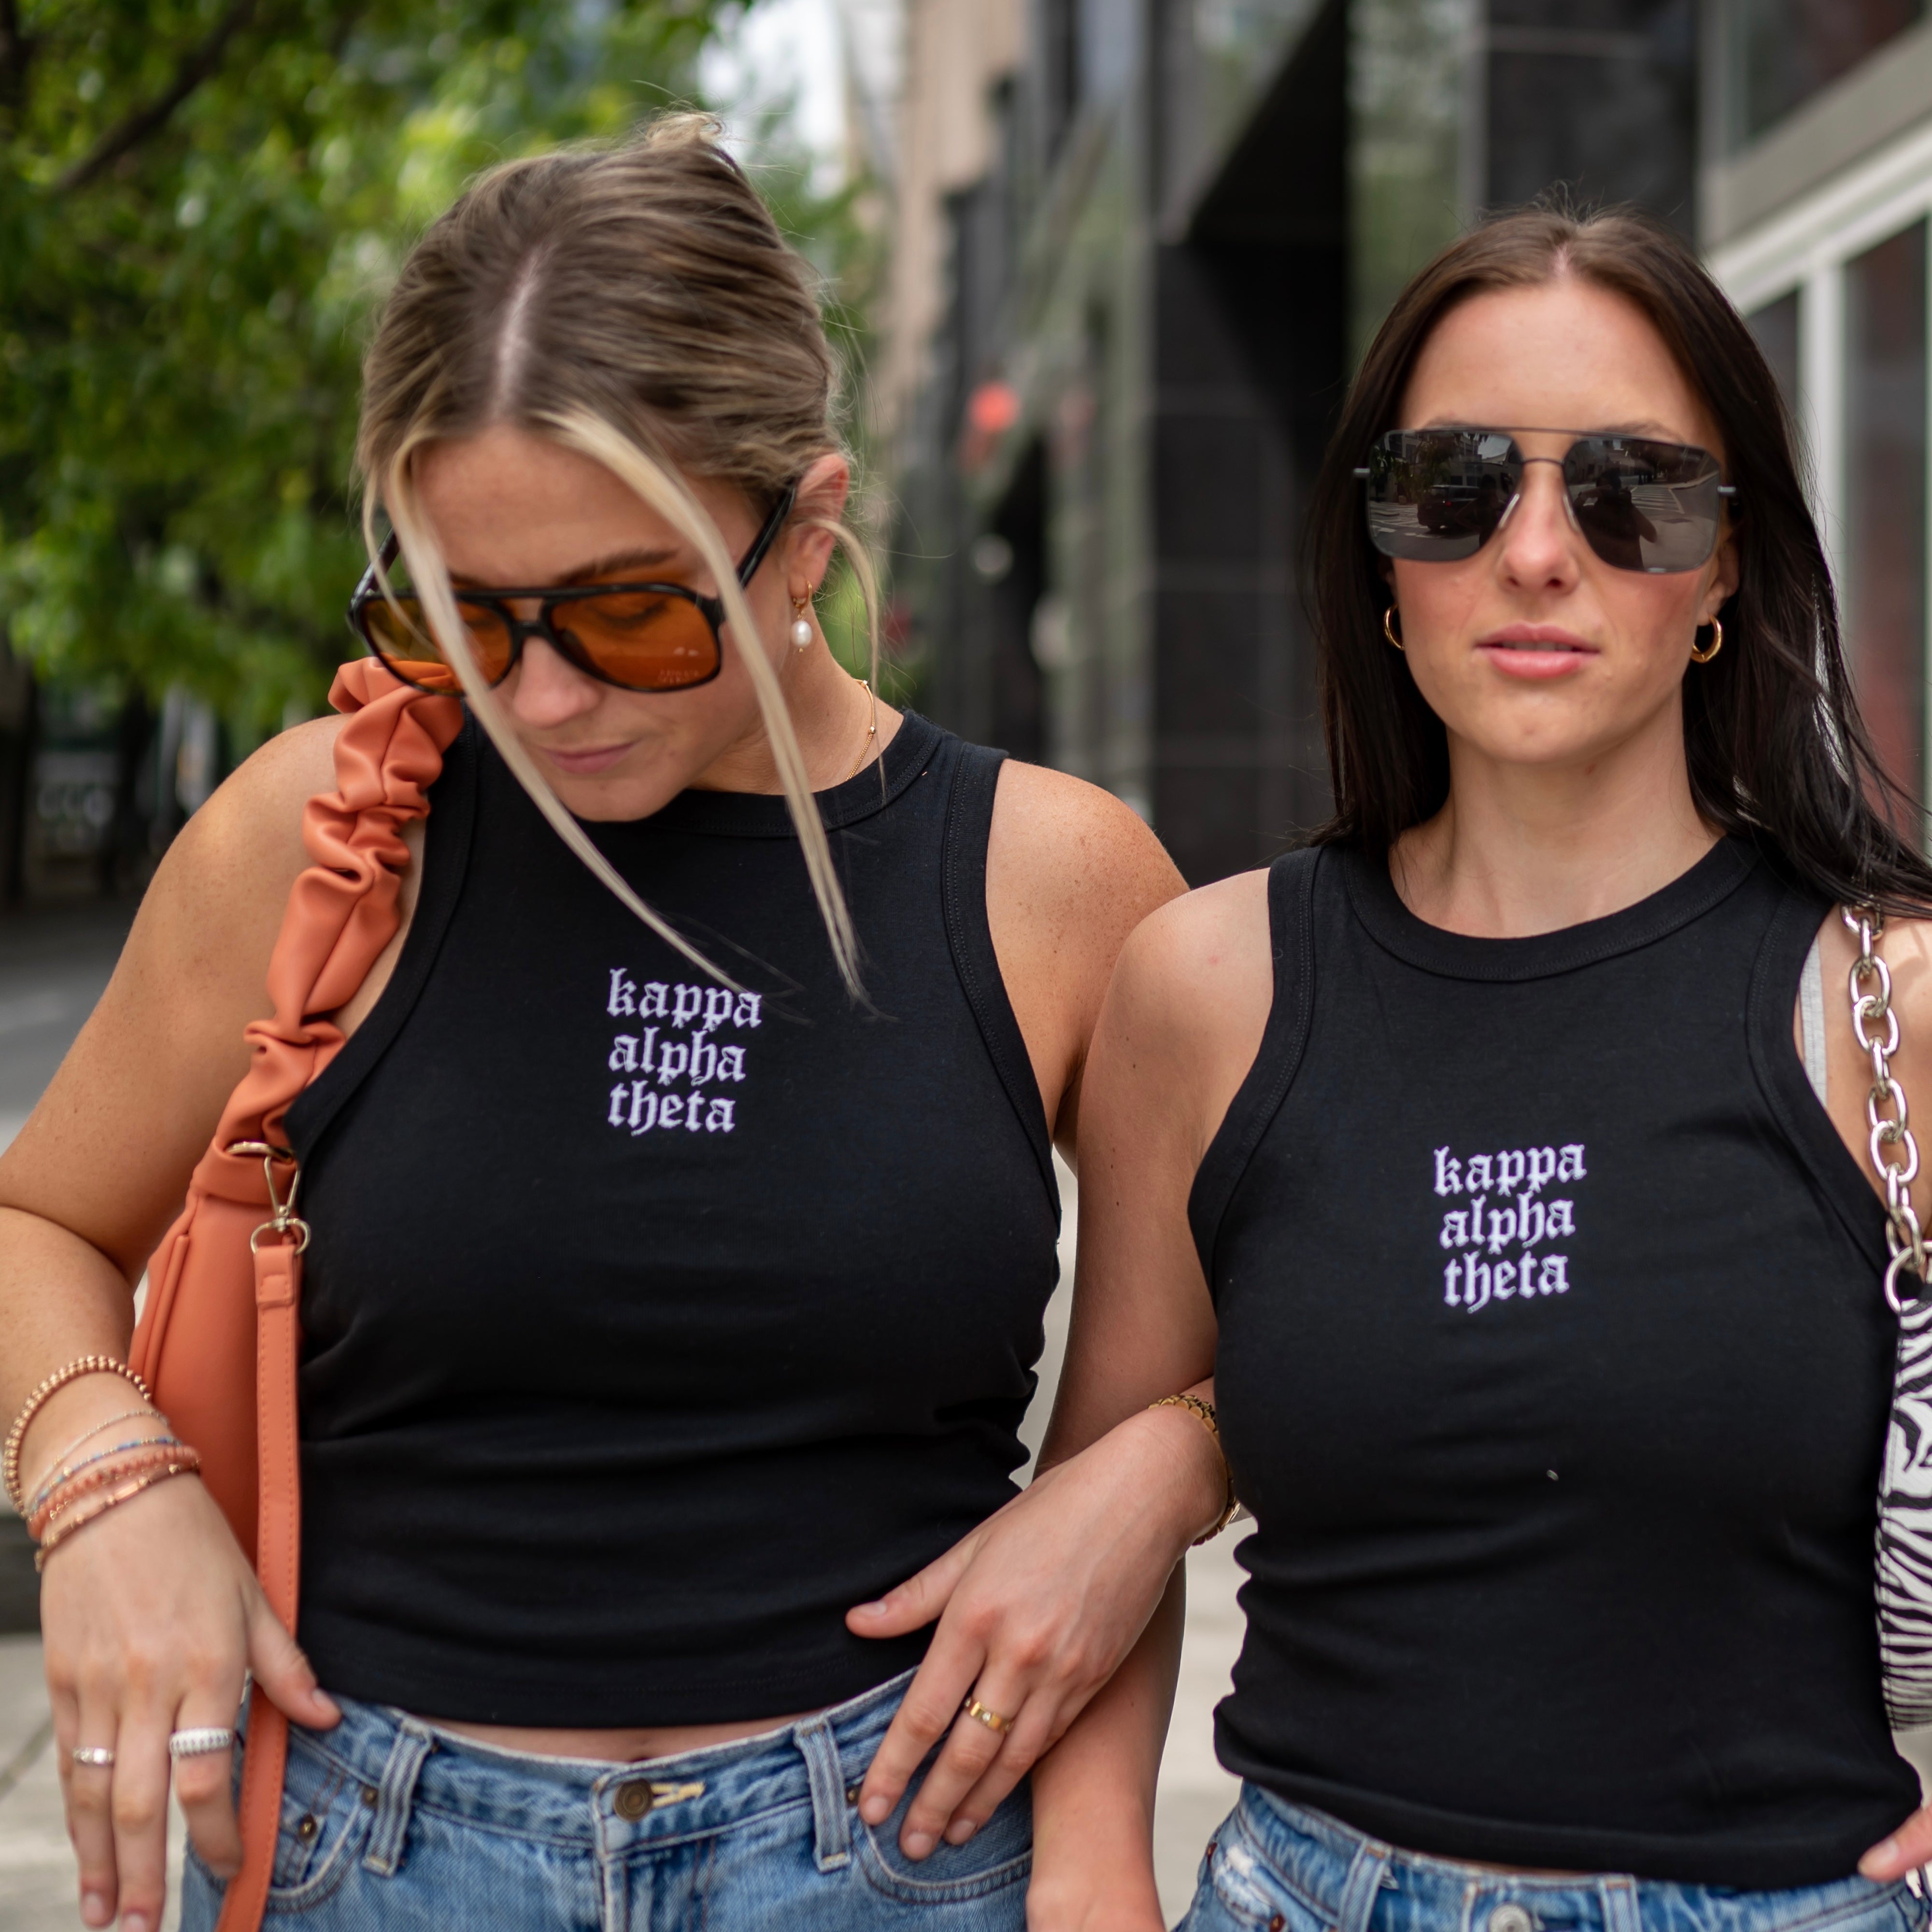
1784 51
1775 326
1884 550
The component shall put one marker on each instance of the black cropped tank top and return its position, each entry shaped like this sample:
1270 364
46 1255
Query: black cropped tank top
1554 1365
648 1324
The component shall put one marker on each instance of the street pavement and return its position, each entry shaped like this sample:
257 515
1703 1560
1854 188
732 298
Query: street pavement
53 967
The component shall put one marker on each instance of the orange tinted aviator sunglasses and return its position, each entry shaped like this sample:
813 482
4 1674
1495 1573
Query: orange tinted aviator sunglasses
638 637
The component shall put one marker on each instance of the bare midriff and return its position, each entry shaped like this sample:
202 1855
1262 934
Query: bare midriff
629 1747
1519 1871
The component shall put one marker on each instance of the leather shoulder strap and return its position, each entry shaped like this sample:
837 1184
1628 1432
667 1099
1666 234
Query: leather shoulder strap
341 913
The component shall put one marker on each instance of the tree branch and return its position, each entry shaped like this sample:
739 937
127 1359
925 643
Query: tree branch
144 121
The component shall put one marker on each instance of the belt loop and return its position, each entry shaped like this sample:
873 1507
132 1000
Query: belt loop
820 1750
1622 1912
414 1742
1360 1890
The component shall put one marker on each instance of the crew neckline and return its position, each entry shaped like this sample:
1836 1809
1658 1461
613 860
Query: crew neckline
747 814
1462 955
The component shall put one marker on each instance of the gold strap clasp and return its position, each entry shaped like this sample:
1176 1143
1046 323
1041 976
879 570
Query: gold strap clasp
284 1221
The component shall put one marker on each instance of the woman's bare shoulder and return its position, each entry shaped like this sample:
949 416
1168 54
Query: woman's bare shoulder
1201 968
248 834
1184 1018
1071 870
1076 857
108 1150
1905 946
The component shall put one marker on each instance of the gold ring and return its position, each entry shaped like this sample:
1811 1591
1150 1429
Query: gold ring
991 1720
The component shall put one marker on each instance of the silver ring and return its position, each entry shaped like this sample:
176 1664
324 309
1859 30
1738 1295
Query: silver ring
98 1757
201 1742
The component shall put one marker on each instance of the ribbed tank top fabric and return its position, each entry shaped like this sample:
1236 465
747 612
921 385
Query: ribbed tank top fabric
1554 1366
649 1325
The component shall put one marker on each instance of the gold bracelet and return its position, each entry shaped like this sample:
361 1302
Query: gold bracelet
1204 1412
86 1365
115 1468
100 1506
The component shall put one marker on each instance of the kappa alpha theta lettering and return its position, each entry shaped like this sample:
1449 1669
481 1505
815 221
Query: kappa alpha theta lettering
668 1066
1506 1210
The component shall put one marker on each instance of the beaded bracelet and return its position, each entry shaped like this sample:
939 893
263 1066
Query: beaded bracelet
1204 1412
84 1365
99 1506
62 1474
100 1428
126 1483
68 1494
102 1504
85 1513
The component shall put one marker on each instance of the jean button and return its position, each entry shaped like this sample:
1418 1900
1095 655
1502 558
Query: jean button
634 1799
1511 1918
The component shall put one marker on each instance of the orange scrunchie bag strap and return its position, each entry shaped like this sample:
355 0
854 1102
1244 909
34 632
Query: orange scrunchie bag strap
219 1335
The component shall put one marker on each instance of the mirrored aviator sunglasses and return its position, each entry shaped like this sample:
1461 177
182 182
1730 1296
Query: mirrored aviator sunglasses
638 637
1438 495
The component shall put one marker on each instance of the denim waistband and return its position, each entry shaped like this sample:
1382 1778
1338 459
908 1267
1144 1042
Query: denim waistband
1353 1883
405 1763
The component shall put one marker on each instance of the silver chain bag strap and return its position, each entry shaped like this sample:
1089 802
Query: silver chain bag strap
1904 1556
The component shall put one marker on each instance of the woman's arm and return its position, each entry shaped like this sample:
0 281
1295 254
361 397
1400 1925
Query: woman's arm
150 1615
1183 1021
1093 1793
1071 871
1048 1597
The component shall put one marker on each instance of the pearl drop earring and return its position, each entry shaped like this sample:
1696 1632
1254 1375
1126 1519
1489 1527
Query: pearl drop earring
801 627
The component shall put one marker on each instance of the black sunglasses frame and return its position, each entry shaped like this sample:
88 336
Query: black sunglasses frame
548 598
1452 550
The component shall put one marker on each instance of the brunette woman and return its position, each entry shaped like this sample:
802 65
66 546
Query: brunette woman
1506 1154
651 1321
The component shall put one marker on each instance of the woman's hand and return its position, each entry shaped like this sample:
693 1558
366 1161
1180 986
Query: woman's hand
1909 1846
151 1617
1100 1897
1037 1607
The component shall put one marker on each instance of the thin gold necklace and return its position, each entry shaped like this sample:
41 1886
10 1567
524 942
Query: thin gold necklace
871 735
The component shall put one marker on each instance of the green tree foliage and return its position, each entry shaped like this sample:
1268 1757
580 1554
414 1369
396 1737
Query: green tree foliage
201 202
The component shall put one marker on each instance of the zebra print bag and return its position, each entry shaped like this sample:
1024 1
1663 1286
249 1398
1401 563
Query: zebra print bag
1904 1553
1905 1528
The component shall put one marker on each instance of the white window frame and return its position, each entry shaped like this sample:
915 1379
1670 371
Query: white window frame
1805 246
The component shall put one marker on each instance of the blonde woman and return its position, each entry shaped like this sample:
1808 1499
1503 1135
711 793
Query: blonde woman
683 1209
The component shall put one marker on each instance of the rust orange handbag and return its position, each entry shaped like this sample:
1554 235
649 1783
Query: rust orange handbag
219 1334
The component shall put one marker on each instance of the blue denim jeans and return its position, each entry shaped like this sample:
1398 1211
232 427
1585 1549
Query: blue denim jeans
389 1822
1289 1869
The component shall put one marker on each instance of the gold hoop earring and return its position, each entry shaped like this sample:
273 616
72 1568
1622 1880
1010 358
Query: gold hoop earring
1717 644
801 624
1388 628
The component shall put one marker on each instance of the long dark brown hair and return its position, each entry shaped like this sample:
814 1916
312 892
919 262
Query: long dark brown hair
1777 749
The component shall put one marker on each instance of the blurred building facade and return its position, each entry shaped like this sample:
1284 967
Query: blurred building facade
1141 243
1814 194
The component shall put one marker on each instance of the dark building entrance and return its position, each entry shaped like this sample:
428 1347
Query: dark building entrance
1250 329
